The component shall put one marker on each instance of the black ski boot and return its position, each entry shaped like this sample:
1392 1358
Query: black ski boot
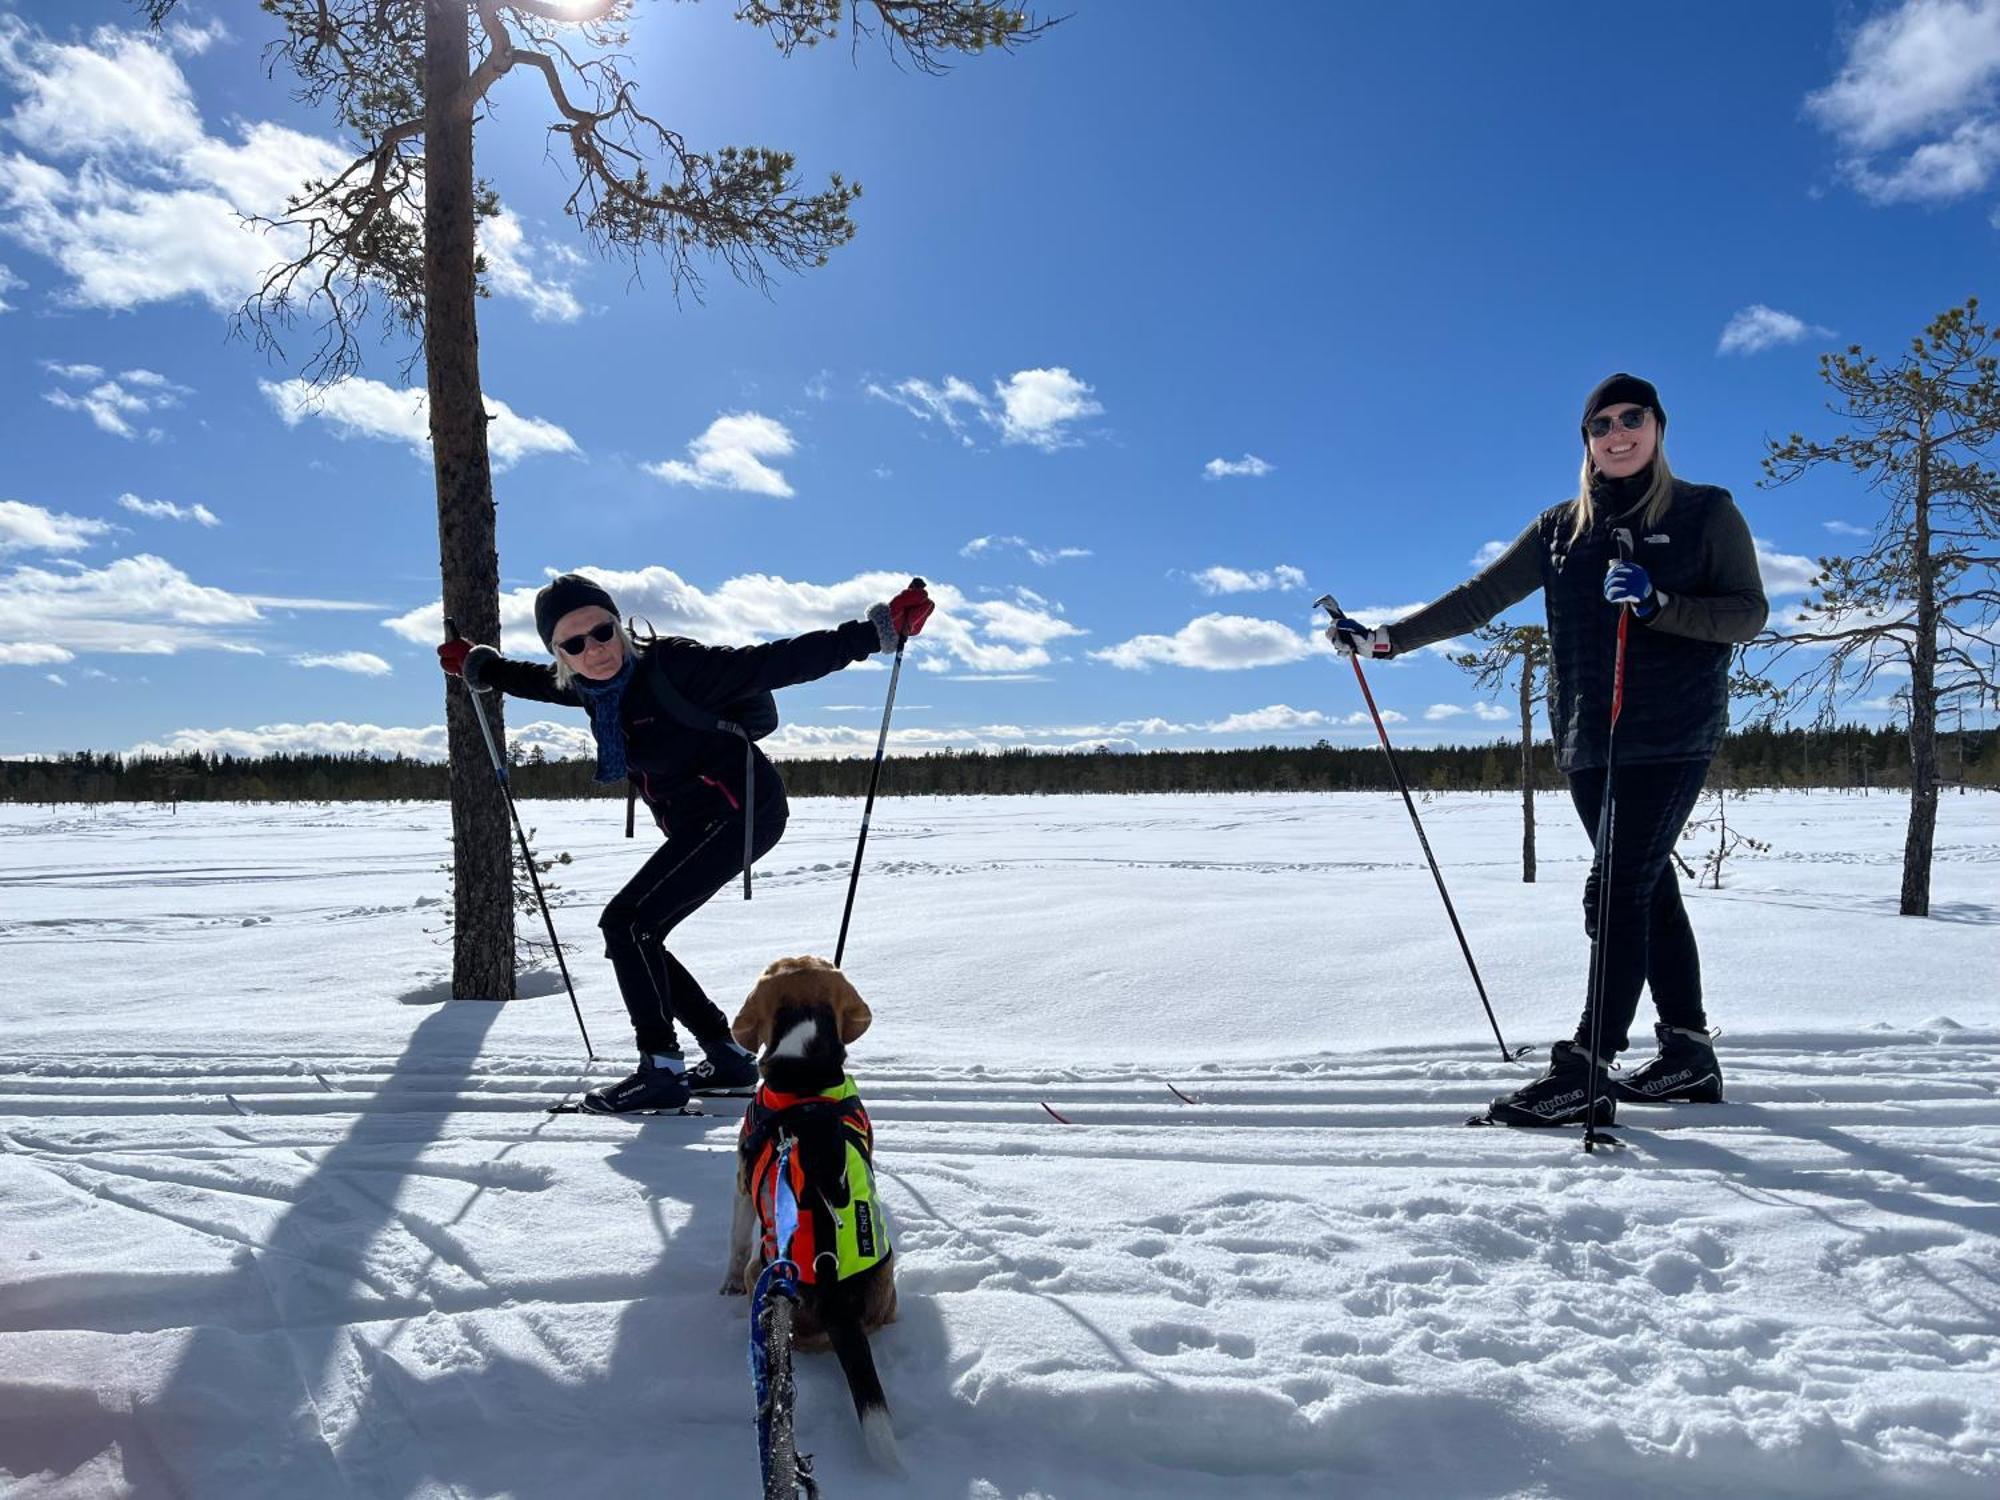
724 1068
1685 1072
655 1086
1557 1097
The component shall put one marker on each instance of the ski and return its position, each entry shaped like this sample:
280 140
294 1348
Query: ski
568 1107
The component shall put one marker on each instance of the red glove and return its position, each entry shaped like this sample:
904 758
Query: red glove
452 654
909 609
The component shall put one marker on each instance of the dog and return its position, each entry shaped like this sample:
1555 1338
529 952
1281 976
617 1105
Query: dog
799 1019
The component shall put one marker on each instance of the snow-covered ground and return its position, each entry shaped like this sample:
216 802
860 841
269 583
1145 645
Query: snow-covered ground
279 1224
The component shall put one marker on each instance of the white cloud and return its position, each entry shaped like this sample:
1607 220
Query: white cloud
356 407
730 456
1249 466
1784 572
135 393
31 528
1912 69
820 387
1279 716
1223 580
32 654
363 663
140 605
317 738
1213 643
1757 328
509 270
166 510
935 403
1489 552
1926 68
1438 712
1937 171
1037 407
1041 557
1846 528
987 636
9 282
146 205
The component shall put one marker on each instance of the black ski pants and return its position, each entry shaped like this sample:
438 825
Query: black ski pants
690 867
1648 940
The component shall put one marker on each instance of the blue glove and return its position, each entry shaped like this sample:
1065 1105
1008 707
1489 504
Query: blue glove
1351 638
1627 583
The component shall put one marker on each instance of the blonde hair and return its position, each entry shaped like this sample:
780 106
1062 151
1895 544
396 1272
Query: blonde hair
1659 494
566 674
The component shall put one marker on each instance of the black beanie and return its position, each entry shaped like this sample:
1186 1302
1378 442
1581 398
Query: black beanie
1621 389
562 594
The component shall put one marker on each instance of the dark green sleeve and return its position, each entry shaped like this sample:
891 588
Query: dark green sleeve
1508 579
1731 608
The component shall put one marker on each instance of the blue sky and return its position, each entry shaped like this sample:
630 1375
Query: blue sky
1151 333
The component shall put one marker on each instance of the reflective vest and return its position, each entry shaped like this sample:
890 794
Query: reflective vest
842 1227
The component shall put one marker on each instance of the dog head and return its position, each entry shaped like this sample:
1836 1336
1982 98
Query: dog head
799 1018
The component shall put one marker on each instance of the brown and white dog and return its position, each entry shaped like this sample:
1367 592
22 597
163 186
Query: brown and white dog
799 1019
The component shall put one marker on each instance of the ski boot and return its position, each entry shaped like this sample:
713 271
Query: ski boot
1685 1072
1557 1097
659 1084
725 1068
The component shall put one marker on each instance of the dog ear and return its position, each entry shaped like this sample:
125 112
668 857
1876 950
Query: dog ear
849 1009
752 1026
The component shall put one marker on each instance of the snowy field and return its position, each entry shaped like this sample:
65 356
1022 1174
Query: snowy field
280 1224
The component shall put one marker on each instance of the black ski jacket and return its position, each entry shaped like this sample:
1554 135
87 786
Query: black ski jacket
1700 555
689 777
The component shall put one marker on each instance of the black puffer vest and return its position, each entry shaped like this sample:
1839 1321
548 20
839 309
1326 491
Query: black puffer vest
1676 688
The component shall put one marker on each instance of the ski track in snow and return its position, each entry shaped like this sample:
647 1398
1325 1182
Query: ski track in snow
310 1242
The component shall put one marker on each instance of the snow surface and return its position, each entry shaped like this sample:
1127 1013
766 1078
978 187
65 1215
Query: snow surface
278 1224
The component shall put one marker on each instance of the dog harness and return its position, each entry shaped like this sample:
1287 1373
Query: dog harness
842 1228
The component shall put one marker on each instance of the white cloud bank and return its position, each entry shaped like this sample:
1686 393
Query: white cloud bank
730 456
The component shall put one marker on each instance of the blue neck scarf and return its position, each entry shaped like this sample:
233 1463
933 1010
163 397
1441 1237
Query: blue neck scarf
603 699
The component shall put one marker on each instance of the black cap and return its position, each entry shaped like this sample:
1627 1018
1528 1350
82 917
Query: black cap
562 594
1619 390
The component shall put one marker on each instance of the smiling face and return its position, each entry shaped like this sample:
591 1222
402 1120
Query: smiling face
1624 451
598 660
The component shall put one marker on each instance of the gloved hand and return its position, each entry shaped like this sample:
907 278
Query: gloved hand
1627 583
477 660
909 609
452 654
1352 638
901 617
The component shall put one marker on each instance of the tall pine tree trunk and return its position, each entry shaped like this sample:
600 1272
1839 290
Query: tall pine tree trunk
1923 713
1527 768
482 960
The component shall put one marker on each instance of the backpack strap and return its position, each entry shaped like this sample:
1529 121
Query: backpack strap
679 706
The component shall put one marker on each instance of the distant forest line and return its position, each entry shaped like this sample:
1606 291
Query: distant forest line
1845 756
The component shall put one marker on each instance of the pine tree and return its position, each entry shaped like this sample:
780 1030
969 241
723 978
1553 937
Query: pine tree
1924 596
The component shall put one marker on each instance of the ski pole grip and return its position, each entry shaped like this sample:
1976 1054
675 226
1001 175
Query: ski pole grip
1328 603
1622 540
450 628
916 583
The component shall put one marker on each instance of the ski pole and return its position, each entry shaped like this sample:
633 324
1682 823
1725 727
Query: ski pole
1507 1054
1606 833
874 780
527 856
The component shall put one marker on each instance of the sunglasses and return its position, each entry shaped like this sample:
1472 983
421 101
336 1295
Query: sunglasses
1631 421
574 645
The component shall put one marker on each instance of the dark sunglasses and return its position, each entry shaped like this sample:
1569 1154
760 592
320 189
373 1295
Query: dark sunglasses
1631 421
600 633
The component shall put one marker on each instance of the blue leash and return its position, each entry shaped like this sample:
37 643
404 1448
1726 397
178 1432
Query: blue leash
778 1279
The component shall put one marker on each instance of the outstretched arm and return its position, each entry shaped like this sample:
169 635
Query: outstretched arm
1507 580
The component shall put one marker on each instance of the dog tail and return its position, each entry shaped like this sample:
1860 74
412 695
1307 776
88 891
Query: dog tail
857 1363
